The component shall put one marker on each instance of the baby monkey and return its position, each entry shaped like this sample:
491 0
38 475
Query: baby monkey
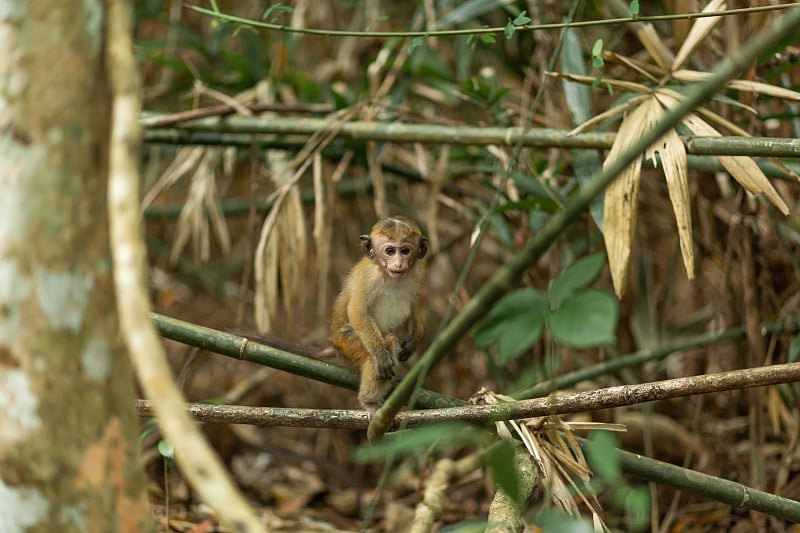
376 319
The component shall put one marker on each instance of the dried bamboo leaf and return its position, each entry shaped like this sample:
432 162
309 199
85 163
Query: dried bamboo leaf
622 195
184 162
741 85
721 122
700 30
676 171
192 222
609 113
628 86
743 169
659 51
641 67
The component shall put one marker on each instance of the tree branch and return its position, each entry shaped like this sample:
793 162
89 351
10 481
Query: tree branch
198 463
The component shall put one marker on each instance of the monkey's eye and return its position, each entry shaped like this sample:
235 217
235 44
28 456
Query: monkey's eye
405 250
390 250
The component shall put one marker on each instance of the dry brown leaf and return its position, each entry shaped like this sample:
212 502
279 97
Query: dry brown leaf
676 171
609 113
617 84
743 169
700 30
654 45
741 85
621 196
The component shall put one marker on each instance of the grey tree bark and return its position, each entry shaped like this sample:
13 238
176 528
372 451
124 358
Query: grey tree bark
68 429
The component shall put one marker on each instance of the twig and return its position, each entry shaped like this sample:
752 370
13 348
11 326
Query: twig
575 402
221 110
480 31
198 463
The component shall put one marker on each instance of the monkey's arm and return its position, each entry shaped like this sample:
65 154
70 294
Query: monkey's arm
382 348
415 330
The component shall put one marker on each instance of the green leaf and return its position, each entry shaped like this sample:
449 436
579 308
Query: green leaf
554 520
603 456
165 449
637 508
633 8
501 464
597 62
276 8
377 20
415 42
597 48
522 19
514 323
488 38
509 30
575 277
586 319
413 440
794 349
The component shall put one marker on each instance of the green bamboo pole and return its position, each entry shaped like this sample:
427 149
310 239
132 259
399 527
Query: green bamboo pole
241 348
240 131
504 279
735 494
625 361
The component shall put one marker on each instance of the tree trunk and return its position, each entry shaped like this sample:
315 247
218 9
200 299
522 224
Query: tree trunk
68 432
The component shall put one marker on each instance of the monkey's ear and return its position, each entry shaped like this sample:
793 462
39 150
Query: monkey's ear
423 248
366 245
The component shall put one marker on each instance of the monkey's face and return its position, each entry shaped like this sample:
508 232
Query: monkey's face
397 256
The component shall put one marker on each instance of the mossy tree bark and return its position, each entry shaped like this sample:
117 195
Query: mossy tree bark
68 429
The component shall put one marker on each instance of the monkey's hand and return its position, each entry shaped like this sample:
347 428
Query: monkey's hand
384 364
386 358
407 347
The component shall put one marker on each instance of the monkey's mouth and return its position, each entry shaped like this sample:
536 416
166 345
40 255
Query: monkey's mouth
396 274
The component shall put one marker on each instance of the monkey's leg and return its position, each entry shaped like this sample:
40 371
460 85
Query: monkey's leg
372 390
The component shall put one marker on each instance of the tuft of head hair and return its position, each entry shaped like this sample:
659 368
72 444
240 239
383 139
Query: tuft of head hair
397 225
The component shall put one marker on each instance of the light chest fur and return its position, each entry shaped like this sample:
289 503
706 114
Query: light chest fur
392 306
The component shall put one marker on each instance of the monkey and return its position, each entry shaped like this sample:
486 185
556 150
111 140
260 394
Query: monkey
376 320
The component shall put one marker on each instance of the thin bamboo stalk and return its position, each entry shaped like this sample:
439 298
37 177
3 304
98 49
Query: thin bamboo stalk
246 131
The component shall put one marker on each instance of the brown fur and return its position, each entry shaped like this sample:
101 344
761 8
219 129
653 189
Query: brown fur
376 320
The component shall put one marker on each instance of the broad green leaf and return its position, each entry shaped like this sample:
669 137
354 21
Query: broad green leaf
501 463
413 440
603 456
586 319
794 349
637 508
514 323
556 521
575 277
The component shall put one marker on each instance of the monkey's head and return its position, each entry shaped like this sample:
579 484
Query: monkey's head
395 244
